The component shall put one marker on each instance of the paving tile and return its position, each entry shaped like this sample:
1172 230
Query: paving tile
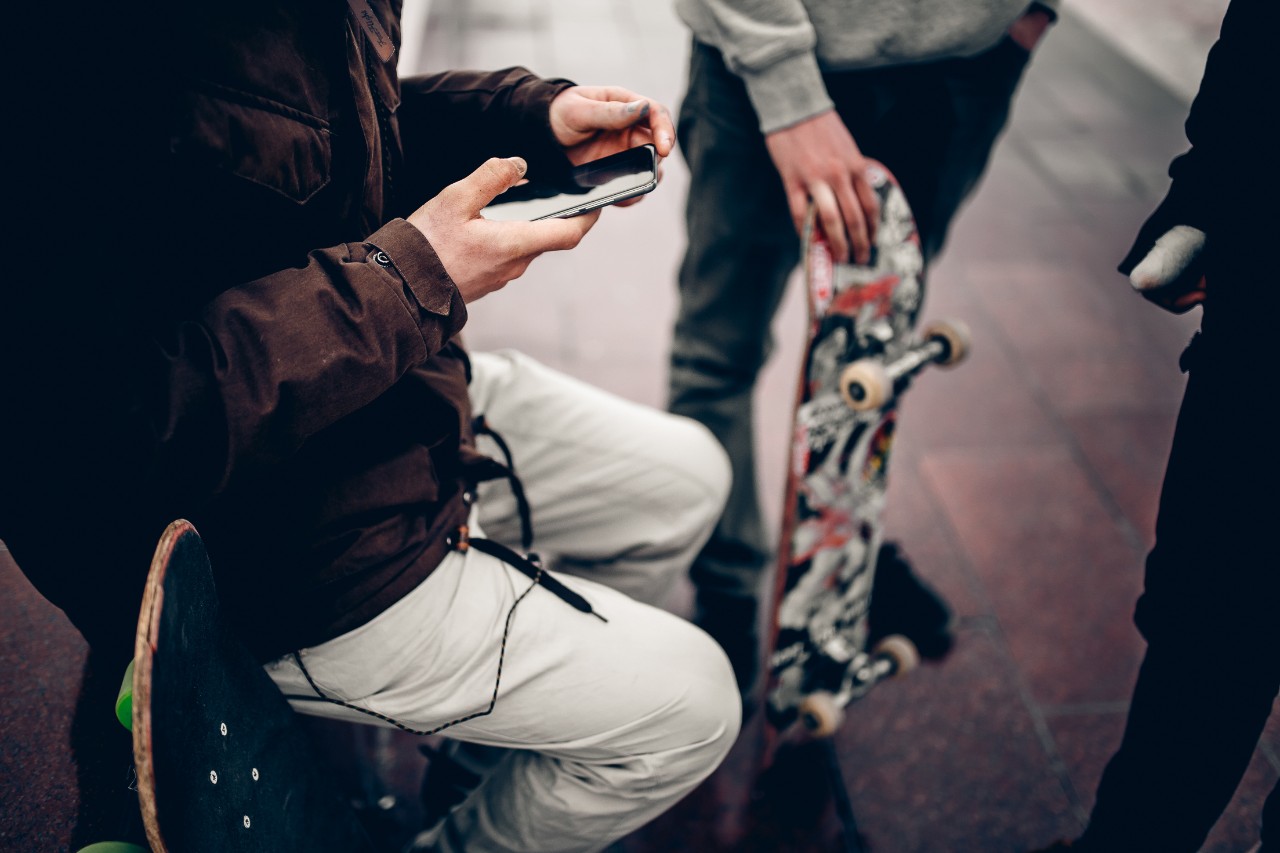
1096 84
1060 572
982 403
914 520
1108 379
41 656
1085 170
1043 309
1083 348
1172 43
1086 740
1128 453
950 758
1014 177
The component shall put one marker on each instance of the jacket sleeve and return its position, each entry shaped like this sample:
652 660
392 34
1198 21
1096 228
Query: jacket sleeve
265 365
1229 173
452 122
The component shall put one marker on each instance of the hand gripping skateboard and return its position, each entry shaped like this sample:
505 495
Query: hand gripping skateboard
862 354
222 764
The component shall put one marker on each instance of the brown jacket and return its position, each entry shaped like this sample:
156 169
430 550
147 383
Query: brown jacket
260 345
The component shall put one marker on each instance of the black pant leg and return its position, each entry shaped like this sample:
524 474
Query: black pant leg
1209 614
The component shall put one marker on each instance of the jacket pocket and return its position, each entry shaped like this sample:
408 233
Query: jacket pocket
267 143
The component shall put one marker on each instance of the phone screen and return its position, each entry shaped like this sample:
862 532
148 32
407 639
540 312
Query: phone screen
597 183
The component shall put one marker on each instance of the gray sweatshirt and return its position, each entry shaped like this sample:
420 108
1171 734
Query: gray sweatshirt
780 47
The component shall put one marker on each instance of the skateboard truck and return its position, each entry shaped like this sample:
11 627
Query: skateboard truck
868 384
822 712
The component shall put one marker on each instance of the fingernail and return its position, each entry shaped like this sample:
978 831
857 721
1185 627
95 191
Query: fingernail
519 163
637 104
666 139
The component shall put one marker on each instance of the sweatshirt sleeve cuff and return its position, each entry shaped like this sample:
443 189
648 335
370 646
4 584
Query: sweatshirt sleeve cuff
408 253
787 92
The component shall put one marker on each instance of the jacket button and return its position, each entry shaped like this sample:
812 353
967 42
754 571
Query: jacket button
382 259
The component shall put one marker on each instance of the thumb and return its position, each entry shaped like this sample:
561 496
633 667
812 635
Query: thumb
494 177
1172 261
613 115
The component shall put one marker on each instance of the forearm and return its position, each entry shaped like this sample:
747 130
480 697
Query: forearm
450 123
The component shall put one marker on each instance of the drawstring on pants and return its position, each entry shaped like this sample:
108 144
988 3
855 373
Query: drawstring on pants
481 427
529 565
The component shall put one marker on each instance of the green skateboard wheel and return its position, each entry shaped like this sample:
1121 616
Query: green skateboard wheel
124 713
112 847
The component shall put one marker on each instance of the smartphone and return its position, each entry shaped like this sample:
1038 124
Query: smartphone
608 180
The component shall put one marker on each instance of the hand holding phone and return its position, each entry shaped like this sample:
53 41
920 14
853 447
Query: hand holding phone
589 186
482 256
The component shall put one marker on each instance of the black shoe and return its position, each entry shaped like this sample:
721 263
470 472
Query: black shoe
902 603
732 621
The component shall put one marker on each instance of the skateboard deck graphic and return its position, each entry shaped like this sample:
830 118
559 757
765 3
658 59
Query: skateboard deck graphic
863 351
222 763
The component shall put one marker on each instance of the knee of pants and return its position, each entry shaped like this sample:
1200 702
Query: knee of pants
699 725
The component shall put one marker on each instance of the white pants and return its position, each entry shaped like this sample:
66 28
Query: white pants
611 722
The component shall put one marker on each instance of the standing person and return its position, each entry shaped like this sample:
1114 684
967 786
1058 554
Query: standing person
786 101
1210 609
248 250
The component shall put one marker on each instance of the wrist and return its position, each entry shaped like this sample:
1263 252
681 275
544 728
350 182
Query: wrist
1030 28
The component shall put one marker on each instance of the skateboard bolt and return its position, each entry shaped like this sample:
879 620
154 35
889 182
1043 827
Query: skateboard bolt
213 776
254 774
223 728
246 821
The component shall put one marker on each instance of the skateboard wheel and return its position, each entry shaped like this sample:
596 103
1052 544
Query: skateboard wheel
821 714
865 386
124 698
954 337
112 847
901 651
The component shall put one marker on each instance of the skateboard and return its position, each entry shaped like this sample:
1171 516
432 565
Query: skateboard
222 763
863 351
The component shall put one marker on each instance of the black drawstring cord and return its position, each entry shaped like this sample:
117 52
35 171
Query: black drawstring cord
532 568
529 566
481 427
493 700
